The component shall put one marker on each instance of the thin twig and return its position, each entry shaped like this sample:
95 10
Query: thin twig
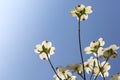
102 67
81 75
91 76
52 66
81 49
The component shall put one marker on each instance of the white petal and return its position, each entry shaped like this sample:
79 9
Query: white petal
106 66
79 7
67 73
73 13
38 48
100 52
73 78
94 43
61 75
87 50
47 44
114 47
96 71
88 10
84 17
43 56
102 42
56 78
88 70
52 50
106 74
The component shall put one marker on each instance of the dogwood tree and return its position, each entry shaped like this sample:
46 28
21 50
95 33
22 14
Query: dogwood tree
97 65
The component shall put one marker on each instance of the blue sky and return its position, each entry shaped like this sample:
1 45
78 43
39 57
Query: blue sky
25 23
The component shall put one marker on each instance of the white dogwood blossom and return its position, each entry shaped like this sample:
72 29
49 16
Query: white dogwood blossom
94 46
102 69
90 64
75 68
81 12
109 52
64 74
44 50
97 68
105 67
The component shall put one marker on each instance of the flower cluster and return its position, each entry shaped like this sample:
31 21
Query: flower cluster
94 65
81 12
97 65
96 47
44 50
97 68
90 65
64 74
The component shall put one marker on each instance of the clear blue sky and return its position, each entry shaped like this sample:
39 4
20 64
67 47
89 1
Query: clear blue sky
25 23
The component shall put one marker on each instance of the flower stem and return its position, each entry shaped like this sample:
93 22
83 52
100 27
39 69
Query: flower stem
100 70
91 76
52 66
80 47
100 67
81 75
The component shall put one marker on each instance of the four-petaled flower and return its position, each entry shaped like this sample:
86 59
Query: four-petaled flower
75 68
44 50
90 64
109 52
81 12
102 69
64 74
94 46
